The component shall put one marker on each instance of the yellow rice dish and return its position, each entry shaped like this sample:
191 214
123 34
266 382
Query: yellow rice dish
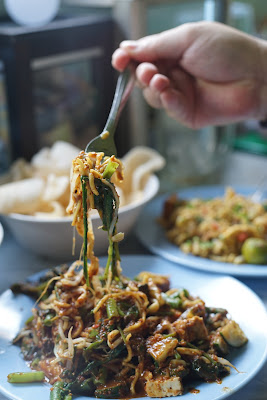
230 229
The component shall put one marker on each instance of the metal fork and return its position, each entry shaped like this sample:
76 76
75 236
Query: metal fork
105 141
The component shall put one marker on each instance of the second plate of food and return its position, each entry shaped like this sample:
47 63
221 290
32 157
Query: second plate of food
152 234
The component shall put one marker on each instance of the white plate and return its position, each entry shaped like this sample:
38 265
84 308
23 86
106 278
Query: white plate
1 233
218 291
152 235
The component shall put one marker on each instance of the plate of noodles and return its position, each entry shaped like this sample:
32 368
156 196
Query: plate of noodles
162 343
209 228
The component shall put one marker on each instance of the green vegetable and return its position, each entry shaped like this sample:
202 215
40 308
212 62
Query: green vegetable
101 378
216 310
26 377
254 251
208 371
115 390
29 320
56 392
85 386
49 319
111 306
90 367
114 353
207 244
93 333
105 204
173 300
186 293
60 391
93 366
110 169
35 362
192 346
93 345
189 205
237 208
122 334
107 208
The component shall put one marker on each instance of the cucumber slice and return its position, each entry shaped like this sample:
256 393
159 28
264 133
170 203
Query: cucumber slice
220 345
233 334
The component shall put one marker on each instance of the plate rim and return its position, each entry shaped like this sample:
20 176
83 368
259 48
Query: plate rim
152 258
1 233
190 260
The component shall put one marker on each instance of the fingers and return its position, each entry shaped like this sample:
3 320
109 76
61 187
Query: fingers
120 59
177 106
168 45
157 85
144 73
174 93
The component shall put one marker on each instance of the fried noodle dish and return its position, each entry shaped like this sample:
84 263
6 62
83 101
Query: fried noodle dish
97 333
230 229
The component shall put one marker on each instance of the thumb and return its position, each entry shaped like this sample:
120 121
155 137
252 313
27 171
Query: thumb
169 44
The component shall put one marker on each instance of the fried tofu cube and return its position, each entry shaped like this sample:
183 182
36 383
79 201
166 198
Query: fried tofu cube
164 387
160 347
191 329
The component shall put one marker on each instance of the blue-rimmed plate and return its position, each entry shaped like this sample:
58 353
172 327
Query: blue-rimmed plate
218 291
152 235
1 233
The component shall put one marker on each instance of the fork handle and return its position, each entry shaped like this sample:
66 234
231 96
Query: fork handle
125 84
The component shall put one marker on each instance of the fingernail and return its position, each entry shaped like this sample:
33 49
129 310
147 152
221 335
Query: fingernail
128 45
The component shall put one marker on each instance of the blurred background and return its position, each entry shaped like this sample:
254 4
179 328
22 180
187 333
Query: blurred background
57 83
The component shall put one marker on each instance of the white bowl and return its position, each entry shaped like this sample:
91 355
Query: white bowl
53 238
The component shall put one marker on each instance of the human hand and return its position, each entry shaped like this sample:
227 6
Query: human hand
201 73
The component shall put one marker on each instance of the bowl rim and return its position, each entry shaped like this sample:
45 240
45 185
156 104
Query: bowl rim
153 180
